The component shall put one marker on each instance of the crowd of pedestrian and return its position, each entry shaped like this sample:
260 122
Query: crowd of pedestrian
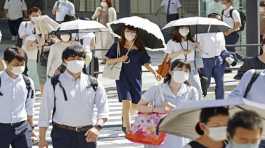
58 63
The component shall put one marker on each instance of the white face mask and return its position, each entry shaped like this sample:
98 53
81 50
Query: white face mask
129 36
180 76
18 70
218 133
235 145
65 37
184 31
75 66
104 4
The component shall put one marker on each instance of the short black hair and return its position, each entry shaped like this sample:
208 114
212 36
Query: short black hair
14 53
245 119
207 113
34 10
73 51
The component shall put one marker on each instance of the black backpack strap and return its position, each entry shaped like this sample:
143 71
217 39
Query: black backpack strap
1 94
195 144
30 93
93 83
251 82
231 13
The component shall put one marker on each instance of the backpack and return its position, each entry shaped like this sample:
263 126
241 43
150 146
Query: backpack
28 87
55 81
242 17
251 82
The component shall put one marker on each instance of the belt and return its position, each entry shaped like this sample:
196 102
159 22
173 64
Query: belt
71 128
12 124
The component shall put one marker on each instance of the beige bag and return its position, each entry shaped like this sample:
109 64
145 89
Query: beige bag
112 71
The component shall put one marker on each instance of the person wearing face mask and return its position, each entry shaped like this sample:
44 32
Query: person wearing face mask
30 44
257 62
175 90
245 130
104 14
182 46
62 8
70 90
56 50
17 93
132 56
211 128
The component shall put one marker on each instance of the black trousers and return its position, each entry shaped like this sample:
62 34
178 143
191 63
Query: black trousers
17 135
172 17
62 138
14 26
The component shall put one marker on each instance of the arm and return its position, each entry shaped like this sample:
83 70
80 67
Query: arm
29 104
24 8
102 115
96 13
51 58
149 67
55 7
46 108
113 15
239 91
72 12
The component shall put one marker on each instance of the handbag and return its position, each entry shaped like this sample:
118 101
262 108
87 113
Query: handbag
144 128
112 71
164 68
44 54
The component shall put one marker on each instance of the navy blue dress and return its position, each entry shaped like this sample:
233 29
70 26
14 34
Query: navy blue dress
129 86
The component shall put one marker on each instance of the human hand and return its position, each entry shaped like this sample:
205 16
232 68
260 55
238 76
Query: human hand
92 135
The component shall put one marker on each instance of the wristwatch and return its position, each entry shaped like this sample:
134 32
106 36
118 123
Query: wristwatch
98 127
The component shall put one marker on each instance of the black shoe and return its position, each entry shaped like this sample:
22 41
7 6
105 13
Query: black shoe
228 71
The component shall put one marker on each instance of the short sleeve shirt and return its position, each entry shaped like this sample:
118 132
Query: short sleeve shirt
15 8
173 46
230 20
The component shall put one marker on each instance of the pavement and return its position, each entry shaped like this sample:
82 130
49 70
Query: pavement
111 136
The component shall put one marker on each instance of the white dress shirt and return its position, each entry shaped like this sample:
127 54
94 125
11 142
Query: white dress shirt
173 46
78 110
63 8
14 104
211 44
230 20
15 9
174 6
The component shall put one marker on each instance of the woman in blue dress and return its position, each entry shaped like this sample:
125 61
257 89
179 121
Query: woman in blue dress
133 56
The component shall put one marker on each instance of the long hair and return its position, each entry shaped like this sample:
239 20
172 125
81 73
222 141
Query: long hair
138 42
174 64
177 37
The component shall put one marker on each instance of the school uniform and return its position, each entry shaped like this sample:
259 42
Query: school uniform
72 112
212 45
15 10
16 103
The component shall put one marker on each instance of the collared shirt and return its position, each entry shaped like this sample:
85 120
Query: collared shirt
15 8
230 20
27 33
211 44
63 8
14 104
78 110
173 47
256 92
173 6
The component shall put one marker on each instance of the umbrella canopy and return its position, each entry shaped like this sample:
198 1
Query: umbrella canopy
81 26
183 120
44 24
149 32
197 25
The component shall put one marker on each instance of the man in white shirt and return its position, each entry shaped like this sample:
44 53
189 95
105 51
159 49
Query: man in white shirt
14 11
211 46
171 9
70 98
232 17
62 8
16 102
